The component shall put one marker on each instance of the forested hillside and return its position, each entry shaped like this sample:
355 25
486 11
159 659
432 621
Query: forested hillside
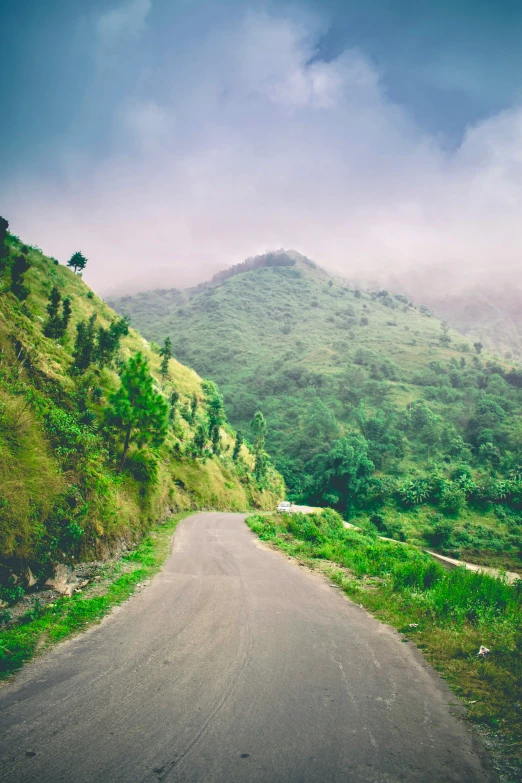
100 436
373 406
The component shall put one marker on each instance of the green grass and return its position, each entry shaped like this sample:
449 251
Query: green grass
447 614
41 628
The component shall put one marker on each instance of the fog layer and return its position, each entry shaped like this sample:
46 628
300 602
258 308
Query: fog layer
246 139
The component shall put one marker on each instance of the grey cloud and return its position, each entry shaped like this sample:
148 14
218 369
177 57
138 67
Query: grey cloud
248 140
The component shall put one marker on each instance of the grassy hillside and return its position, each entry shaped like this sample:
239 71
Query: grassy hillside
65 491
488 309
373 405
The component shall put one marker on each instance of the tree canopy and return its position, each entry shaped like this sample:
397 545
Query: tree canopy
136 412
77 262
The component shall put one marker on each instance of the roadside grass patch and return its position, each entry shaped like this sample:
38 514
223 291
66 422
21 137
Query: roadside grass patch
42 627
447 614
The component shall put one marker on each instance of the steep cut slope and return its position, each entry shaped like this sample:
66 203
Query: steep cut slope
67 488
373 405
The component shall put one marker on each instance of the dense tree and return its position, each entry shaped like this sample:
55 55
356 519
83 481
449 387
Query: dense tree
200 438
258 426
4 226
237 446
478 347
55 299
136 412
18 269
260 466
66 313
215 412
215 437
166 354
259 429
173 400
57 323
108 340
84 351
341 477
193 408
77 262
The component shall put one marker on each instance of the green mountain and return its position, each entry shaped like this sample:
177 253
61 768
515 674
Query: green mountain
373 405
69 487
488 309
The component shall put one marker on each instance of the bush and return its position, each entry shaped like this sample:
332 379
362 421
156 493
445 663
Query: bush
416 574
440 534
143 466
453 499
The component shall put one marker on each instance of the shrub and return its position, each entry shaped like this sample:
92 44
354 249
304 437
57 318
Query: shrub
440 533
453 499
143 466
417 574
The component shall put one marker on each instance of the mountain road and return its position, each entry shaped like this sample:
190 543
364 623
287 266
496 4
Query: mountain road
235 664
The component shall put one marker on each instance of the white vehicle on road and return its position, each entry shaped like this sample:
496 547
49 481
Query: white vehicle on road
284 507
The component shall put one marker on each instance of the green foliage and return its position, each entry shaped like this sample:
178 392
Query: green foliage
421 407
19 267
200 439
57 323
62 431
237 446
415 492
4 226
341 477
136 413
166 353
77 262
85 345
108 341
258 427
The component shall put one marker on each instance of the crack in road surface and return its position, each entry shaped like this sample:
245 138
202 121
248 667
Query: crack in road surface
234 665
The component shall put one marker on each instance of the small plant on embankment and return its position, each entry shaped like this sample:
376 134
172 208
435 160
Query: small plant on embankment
448 614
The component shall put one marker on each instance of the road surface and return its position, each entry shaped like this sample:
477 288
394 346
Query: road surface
234 665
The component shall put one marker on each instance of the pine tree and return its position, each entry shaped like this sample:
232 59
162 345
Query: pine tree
53 326
258 426
85 346
166 353
18 270
215 437
66 314
108 340
136 411
237 446
174 399
193 408
55 299
4 226
200 438
57 324
77 262
260 465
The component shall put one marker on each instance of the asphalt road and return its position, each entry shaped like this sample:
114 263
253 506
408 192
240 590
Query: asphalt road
234 664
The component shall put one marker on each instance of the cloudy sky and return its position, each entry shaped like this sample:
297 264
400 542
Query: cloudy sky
167 139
